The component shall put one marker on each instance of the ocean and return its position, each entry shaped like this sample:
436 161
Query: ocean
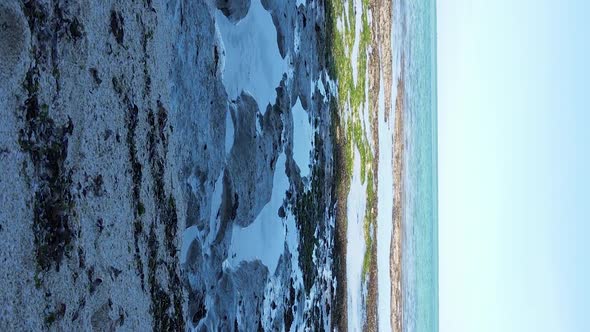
415 37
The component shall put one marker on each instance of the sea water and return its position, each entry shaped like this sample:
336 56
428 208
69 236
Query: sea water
416 20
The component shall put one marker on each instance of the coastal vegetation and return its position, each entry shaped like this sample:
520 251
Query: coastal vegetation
352 131
353 115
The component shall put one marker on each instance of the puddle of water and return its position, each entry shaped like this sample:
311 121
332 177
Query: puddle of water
384 214
358 13
302 138
252 60
265 238
356 246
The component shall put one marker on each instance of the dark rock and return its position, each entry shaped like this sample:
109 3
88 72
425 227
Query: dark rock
234 10
197 308
76 29
95 76
117 24
281 212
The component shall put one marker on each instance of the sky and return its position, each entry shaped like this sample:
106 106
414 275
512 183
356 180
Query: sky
514 163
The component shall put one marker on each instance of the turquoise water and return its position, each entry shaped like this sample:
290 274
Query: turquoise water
417 19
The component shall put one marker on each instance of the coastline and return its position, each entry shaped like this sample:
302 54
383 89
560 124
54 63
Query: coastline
132 163
396 241
380 73
115 203
379 66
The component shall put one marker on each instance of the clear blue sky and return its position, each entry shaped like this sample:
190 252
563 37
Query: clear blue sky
514 165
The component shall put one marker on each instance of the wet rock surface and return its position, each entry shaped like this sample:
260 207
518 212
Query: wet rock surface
14 36
114 128
251 163
235 10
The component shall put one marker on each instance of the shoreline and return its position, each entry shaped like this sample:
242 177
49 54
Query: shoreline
380 72
396 238
377 60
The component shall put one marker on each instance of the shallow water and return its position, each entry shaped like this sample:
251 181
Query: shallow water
384 215
358 13
355 247
420 222
302 138
252 60
265 238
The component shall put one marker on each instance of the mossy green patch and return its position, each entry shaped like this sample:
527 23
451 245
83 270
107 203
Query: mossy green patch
353 98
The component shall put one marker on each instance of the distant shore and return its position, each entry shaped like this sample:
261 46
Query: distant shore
381 72
380 75
396 238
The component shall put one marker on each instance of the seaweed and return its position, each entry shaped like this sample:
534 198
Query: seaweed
117 26
309 210
46 143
